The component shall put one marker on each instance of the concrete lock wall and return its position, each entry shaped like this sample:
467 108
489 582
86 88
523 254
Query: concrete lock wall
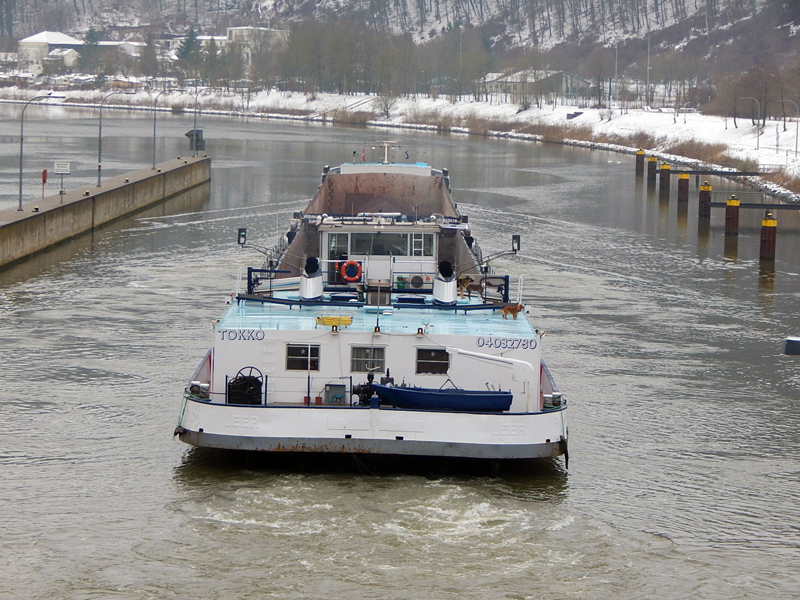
58 219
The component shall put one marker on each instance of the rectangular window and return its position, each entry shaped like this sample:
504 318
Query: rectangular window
431 360
379 244
364 359
421 244
302 357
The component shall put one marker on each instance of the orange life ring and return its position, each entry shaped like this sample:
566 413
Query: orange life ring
344 270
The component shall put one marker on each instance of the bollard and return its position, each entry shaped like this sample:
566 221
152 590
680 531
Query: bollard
769 233
663 183
732 216
652 164
639 162
704 204
683 187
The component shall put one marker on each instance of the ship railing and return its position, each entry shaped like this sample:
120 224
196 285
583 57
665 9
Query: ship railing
407 279
283 391
412 282
492 288
256 278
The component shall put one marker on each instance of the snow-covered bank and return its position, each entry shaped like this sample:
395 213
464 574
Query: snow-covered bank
773 149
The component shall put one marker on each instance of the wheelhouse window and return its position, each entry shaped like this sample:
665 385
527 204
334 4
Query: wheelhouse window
364 359
432 360
421 244
379 244
302 357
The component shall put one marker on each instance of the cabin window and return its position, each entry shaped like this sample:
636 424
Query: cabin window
302 357
379 244
435 361
364 359
421 244
337 254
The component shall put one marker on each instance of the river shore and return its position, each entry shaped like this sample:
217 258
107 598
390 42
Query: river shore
687 138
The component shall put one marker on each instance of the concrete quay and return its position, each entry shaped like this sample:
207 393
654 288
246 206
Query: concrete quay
56 219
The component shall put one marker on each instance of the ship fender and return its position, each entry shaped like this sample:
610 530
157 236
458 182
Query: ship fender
565 450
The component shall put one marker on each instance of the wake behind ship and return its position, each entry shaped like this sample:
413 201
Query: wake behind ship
377 327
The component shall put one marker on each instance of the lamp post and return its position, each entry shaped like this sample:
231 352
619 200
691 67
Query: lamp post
155 112
758 121
100 139
22 138
796 123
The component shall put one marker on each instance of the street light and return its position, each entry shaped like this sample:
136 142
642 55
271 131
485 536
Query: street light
796 123
22 138
155 112
758 121
100 138
194 128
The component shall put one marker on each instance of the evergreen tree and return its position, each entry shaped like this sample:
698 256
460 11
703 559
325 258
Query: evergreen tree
212 60
89 54
189 46
189 54
148 61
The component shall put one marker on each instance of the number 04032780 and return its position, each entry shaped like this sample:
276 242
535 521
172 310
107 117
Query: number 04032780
506 343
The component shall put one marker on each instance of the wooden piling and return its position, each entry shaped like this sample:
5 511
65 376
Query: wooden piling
639 162
769 230
732 216
663 183
683 187
652 165
704 203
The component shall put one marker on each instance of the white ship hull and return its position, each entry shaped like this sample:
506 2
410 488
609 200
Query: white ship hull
374 431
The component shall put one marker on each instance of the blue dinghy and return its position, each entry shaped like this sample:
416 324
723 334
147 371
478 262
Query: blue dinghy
444 399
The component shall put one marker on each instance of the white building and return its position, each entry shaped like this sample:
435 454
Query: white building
34 49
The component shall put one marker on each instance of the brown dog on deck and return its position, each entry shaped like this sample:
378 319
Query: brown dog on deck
467 284
512 310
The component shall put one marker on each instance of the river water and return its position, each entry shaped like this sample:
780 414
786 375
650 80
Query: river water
684 475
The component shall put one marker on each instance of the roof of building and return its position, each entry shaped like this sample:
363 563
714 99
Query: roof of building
53 38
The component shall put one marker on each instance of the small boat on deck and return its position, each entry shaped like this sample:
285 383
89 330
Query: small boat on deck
454 399
374 304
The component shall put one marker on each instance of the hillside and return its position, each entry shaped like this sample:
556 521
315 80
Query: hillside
704 27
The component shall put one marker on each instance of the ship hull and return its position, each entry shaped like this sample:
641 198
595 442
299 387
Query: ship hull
381 431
